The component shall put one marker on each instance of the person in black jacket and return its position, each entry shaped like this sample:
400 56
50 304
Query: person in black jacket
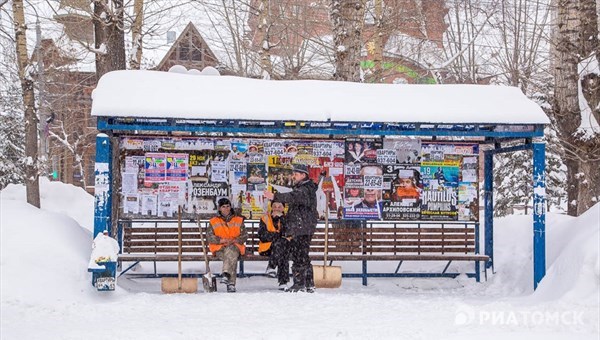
273 244
301 222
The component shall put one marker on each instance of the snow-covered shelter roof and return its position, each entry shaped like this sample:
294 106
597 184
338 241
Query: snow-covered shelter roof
153 94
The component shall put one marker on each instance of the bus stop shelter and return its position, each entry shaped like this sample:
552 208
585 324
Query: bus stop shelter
498 118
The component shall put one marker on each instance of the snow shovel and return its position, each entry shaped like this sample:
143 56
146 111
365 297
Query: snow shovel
208 281
179 284
327 276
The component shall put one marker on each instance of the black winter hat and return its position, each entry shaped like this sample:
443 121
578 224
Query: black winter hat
224 201
300 168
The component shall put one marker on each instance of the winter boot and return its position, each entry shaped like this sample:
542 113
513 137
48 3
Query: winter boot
271 272
225 278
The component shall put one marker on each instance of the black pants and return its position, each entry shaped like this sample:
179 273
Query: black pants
302 271
279 257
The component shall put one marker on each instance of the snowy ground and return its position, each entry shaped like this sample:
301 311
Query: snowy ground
46 291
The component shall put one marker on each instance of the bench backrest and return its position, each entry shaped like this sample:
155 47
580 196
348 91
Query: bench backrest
358 237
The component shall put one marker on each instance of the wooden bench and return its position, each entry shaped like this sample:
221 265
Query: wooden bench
365 241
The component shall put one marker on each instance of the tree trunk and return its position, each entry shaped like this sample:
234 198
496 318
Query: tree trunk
109 39
99 38
32 184
264 25
582 153
347 17
378 43
136 35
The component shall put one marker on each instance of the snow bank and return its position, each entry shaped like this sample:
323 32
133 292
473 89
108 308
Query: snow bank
572 250
44 280
59 197
574 261
44 255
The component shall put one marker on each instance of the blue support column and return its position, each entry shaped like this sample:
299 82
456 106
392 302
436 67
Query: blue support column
103 185
539 213
489 206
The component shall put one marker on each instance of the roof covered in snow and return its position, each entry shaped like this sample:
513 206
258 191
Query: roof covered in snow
153 94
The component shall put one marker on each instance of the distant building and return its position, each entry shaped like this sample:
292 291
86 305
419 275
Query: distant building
411 44
68 130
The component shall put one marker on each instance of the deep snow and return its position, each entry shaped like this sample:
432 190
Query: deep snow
46 291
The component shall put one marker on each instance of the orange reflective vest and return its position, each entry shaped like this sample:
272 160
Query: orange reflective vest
227 230
268 221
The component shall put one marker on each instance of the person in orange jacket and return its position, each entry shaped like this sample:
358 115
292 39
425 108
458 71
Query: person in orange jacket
273 244
226 236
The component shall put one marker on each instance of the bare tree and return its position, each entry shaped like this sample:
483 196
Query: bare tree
31 122
466 52
347 17
575 120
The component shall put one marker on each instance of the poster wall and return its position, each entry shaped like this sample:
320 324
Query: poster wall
357 178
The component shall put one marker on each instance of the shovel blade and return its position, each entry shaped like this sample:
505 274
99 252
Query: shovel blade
209 284
327 276
171 285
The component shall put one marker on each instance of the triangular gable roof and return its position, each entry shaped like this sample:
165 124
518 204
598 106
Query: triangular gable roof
151 94
189 31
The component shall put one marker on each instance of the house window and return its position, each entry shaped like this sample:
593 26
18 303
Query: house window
197 54
184 52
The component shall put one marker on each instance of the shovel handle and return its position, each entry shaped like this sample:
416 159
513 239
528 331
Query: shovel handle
204 250
326 235
179 246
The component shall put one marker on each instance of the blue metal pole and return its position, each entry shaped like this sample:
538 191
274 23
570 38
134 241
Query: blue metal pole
539 213
489 206
103 185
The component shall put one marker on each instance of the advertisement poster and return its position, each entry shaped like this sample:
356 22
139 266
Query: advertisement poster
257 177
129 182
468 202
274 147
280 176
362 150
132 144
439 204
131 204
439 176
254 205
198 163
239 149
149 205
177 167
438 150
193 144
204 197
170 196
469 169
370 179
357 178
218 171
238 180
155 167
408 151
403 198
